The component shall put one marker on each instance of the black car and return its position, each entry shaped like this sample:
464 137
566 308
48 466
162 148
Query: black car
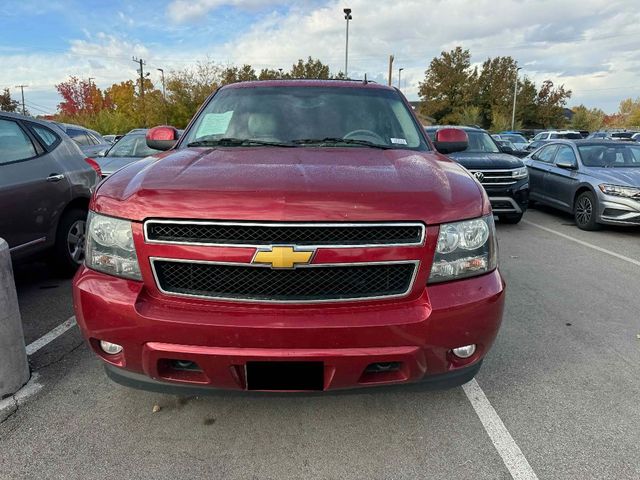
503 176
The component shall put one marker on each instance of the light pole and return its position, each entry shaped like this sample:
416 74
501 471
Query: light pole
347 17
164 96
515 93
400 78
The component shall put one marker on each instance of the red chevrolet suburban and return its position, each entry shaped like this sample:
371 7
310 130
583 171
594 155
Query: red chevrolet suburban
300 235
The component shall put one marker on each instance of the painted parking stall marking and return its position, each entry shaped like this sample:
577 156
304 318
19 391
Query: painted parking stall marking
502 440
51 336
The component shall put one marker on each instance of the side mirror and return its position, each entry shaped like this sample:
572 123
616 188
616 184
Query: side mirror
507 149
566 164
163 137
451 140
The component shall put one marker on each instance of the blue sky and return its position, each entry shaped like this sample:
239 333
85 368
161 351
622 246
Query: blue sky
591 46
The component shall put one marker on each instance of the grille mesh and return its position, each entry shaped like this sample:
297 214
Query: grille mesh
238 234
240 282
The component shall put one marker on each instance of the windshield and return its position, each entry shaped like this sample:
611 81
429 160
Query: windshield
513 138
481 142
311 116
610 156
131 146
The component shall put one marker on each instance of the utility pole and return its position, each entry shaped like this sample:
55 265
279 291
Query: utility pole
400 78
91 94
21 87
164 96
390 68
347 17
515 93
142 63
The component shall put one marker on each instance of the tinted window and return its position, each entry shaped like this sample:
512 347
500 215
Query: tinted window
565 155
481 142
290 114
572 136
47 137
546 154
78 136
14 143
611 156
513 138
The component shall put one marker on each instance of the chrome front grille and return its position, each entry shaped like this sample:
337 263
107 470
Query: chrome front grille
333 235
493 178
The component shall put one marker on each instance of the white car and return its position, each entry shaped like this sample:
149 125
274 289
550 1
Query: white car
557 134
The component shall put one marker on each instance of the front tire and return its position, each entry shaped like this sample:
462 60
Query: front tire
510 218
584 212
68 252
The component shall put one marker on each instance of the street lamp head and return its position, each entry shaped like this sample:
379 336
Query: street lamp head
347 14
160 70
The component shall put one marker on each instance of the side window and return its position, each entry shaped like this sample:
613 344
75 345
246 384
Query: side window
48 138
14 143
565 154
78 136
546 154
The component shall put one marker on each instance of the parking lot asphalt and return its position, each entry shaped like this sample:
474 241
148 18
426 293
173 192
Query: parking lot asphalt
562 377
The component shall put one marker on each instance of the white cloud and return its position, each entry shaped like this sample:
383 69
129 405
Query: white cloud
182 11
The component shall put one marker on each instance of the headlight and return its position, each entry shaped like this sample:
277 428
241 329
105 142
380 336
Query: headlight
620 191
110 247
465 249
520 173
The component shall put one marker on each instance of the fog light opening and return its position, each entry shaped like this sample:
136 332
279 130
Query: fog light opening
185 365
110 348
383 367
465 351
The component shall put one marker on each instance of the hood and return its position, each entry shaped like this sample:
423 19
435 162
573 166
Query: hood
485 160
629 177
292 184
108 165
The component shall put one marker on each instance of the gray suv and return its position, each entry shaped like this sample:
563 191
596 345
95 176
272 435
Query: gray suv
596 180
45 186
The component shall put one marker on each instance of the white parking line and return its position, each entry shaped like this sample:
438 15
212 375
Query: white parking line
51 336
586 244
506 446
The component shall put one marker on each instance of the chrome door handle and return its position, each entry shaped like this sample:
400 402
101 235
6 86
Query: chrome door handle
55 177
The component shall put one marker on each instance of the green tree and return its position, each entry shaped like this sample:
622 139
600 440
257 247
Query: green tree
233 74
7 104
449 86
310 69
495 91
587 119
526 104
269 74
551 101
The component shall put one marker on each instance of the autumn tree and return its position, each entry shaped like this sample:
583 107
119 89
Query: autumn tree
79 97
310 68
448 87
629 112
7 104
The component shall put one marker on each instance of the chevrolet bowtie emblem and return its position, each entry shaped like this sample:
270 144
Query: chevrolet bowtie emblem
283 257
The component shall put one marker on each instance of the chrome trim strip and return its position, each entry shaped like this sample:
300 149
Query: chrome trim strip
28 244
416 268
318 225
516 207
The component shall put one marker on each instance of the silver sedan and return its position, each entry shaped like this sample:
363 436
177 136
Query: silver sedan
598 181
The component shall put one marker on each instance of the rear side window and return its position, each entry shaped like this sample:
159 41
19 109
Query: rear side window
78 136
546 154
14 143
48 138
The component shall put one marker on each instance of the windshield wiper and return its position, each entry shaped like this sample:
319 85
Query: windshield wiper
236 142
338 140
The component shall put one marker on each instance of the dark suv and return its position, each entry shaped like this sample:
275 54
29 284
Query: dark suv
502 175
45 186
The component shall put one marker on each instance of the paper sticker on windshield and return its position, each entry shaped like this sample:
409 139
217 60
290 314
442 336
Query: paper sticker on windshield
214 124
399 141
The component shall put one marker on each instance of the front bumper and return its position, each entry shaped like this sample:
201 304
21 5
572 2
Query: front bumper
618 210
417 332
511 199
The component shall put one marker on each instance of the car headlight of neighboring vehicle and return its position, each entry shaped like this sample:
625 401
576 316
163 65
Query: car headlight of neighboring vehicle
520 173
110 247
620 191
465 249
